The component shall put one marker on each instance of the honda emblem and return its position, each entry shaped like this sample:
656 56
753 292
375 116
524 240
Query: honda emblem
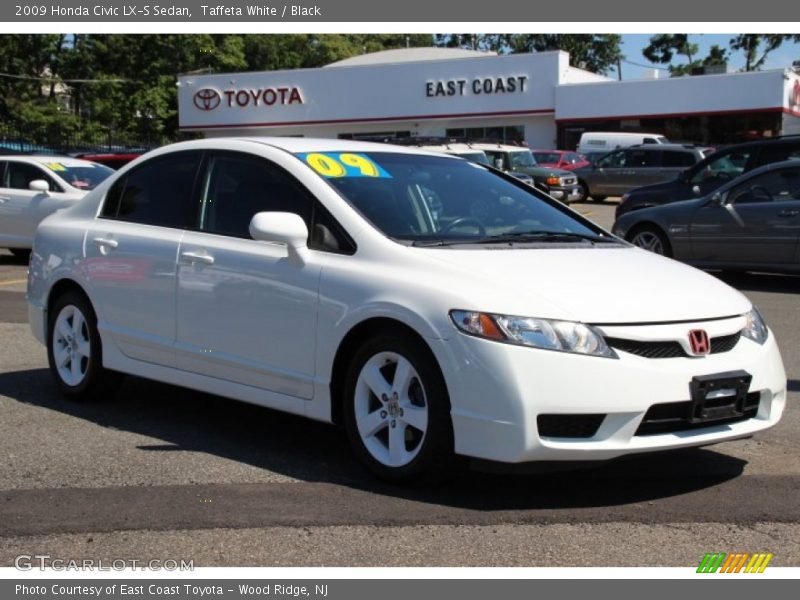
699 342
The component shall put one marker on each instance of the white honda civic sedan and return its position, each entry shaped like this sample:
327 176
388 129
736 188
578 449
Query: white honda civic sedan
32 187
432 306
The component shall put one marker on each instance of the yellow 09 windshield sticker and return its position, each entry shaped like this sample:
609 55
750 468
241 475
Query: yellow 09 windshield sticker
343 164
54 166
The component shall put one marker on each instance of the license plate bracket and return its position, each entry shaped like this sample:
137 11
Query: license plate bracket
718 396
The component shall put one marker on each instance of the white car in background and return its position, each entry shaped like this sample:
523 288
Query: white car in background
32 187
315 277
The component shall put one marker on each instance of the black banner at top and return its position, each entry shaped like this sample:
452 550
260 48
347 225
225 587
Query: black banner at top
321 11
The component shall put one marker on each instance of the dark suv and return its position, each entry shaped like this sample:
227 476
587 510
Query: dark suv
622 170
710 173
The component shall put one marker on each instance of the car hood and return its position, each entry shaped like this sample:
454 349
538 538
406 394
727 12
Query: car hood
681 210
662 187
601 285
544 172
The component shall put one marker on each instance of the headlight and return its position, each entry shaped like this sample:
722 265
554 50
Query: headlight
562 336
755 328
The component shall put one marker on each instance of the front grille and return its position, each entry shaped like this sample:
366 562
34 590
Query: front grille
725 343
670 349
671 417
569 426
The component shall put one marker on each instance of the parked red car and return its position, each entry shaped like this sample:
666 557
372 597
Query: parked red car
113 160
560 159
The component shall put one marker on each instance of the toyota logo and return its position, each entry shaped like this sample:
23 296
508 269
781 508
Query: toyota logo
207 99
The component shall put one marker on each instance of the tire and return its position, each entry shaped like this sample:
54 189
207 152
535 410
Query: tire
74 350
21 253
584 191
401 430
651 238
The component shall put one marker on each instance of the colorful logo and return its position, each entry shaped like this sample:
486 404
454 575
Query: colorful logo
739 562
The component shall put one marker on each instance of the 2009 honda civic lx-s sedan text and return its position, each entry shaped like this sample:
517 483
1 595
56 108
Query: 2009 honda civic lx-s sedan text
432 306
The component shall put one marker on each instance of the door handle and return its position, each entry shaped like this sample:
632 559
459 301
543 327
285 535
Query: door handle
789 213
101 242
196 257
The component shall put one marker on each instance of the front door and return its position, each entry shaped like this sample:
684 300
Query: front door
246 311
758 222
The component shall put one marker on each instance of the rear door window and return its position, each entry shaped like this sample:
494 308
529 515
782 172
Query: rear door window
676 158
637 158
159 192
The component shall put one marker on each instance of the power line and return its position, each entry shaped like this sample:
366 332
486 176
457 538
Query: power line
650 66
56 80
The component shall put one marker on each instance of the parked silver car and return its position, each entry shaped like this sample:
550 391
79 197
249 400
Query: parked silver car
751 224
622 170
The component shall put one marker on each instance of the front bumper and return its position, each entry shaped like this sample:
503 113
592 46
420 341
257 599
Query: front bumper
497 391
565 194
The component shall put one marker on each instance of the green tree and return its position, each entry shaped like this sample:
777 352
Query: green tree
756 47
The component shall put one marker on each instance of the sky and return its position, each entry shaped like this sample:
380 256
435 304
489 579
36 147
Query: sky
633 43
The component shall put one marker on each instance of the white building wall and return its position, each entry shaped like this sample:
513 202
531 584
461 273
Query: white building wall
673 96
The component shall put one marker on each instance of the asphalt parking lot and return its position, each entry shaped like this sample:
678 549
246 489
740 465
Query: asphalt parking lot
160 472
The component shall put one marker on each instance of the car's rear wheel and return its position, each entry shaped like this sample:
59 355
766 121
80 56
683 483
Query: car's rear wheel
74 350
397 410
652 239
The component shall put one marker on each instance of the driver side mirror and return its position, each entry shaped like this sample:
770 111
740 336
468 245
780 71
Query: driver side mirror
282 228
39 185
717 199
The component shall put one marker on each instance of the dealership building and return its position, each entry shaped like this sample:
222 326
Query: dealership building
537 98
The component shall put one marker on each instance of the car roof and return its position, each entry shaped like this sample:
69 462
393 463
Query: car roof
507 147
297 145
44 159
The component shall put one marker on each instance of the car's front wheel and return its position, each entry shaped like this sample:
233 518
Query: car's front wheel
397 410
652 239
74 350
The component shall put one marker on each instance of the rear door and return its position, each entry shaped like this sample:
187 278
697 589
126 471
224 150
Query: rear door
644 166
131 254
758 223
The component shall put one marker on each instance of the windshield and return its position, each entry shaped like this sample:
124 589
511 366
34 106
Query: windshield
80 174
547 157
522 159
417 198
477 157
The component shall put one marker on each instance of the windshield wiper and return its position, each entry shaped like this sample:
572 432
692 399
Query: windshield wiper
543 236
